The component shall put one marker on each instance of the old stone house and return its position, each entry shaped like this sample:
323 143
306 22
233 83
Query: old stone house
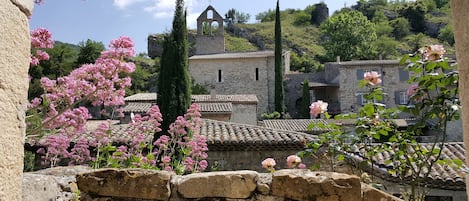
232 73
241 108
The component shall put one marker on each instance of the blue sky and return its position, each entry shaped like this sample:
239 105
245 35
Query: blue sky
73 21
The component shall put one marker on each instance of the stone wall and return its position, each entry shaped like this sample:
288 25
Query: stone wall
150 185
14 64
350 73
238 77
244 113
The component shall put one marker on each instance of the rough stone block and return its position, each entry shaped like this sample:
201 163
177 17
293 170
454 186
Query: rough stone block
135 183
307 185
229 184
39 187
370 193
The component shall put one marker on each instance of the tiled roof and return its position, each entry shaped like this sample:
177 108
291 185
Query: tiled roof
137 107
441 176
299 125
235 98
228 136
215 108
141 97
241 55
366 62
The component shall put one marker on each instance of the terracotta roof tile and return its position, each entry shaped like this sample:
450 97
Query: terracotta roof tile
441 176
240 55
141 97
235 98
232 136
299 125
137 107
215 107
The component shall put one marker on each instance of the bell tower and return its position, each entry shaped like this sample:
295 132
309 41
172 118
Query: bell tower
210 37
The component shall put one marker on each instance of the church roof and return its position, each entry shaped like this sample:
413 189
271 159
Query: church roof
239 55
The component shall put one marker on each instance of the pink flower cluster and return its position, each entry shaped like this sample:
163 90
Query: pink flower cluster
318 107
100 83
373 78
40 38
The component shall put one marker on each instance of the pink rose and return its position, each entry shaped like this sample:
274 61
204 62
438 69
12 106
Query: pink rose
293 161
372 77
318 107
269 164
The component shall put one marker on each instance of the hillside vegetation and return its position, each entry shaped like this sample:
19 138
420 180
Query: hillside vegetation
400 27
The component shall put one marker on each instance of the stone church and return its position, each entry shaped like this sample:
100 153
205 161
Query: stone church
232 73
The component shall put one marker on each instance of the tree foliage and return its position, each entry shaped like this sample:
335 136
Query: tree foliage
174 85
305 100
236 17
348 34
89 51
279 70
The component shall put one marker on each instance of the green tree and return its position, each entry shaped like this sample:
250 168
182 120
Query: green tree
266 16
61 61
415 13
236 17
305 100
89 51
348 34
174 84
400 28
279 88
447 35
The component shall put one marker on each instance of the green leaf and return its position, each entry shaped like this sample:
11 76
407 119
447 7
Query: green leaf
340 157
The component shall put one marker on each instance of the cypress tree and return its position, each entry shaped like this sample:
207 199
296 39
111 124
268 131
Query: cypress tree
305 100
279 88
174 92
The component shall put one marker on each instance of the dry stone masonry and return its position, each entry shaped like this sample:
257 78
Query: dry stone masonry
150 185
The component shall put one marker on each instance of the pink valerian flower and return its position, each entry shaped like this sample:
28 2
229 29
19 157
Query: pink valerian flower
121 47
318 107
100 83
41 38
373 78
56 147
80 153
41 55
269 164
293 161
101 135
432 52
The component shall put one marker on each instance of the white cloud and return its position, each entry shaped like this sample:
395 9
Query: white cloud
165 9
121 4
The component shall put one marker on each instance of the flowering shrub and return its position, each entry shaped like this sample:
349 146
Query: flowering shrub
318 107
58 118
433 96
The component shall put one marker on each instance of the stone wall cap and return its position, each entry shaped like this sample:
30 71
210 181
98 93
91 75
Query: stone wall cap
26 6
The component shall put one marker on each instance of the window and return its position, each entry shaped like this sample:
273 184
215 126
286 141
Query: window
360 73
403 75
401 97
220 76
257 73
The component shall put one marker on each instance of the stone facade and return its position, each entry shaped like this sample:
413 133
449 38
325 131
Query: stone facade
346 92
238 73
14 64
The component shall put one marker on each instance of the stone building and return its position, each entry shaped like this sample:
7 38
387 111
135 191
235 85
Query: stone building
232 73
341 90
241 108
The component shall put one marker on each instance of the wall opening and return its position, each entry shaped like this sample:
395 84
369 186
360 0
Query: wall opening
257 73
214 27
210 14
220 76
